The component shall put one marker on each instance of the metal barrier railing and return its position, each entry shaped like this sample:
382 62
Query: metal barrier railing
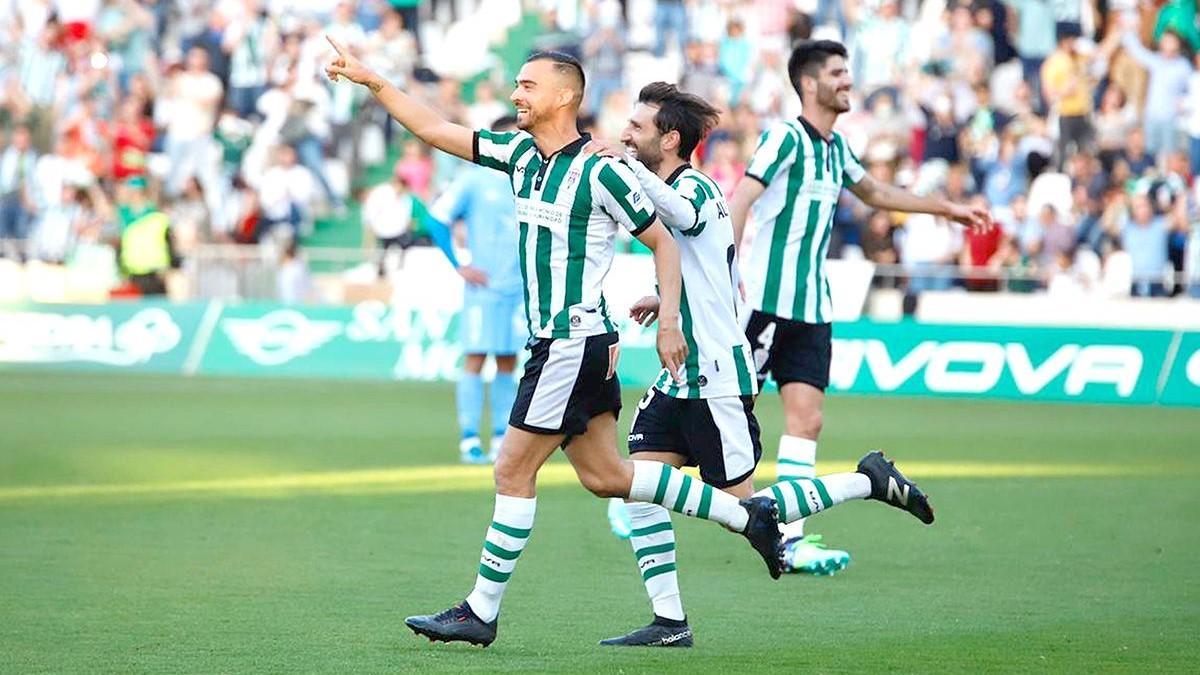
249 272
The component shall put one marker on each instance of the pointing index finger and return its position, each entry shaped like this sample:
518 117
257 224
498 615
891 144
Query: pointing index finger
337 46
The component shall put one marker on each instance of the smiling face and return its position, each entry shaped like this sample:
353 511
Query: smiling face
831 86
641 136
541 92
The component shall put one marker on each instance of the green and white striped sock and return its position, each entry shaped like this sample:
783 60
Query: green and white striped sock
506 538
803 497
653 541
797 459
667 486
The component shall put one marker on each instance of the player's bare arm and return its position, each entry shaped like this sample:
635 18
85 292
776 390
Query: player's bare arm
673 209
422 121
879 195
745 194
672 348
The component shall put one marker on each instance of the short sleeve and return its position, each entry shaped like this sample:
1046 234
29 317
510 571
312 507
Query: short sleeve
694 191
775 152
852 169
498 150
698 195
622 197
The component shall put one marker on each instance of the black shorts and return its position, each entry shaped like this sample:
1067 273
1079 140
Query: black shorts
719 435
567 382
790 351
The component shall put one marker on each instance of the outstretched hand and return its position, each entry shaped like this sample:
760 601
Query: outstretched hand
975 217
605 148
347 65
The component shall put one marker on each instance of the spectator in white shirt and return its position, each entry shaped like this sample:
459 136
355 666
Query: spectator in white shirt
390 214
285 193
195 94
927 245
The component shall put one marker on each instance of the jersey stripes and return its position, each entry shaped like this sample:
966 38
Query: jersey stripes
804 174
718 357
568 208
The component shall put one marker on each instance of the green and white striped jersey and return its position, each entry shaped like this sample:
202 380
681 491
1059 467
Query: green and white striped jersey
568 208
719 357
804 175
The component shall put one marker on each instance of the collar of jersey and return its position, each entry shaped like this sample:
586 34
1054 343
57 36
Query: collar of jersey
676 173
814 132
573 147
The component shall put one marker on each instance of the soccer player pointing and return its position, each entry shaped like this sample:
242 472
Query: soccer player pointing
569 206
790 192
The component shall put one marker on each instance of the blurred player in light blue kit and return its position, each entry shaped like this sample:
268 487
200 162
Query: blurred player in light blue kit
491 321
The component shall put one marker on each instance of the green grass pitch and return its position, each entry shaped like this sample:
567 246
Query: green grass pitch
162 524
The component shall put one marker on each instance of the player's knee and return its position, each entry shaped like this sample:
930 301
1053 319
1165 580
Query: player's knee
805 423
742 490
602 485
473 363
511 476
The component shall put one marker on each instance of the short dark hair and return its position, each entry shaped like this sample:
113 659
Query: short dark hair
690 115
809 56
564 64
505 122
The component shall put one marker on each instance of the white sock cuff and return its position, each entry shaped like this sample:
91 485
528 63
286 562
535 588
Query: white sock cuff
846 486
515 511
798 449
797 458
645 480
647 511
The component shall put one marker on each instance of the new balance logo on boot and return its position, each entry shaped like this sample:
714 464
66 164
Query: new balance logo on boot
890 486
895 493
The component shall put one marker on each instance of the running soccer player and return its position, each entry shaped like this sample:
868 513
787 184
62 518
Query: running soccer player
708 419
491 321
569 207
790 193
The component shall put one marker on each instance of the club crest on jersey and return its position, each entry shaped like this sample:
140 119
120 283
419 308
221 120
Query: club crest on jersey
572 178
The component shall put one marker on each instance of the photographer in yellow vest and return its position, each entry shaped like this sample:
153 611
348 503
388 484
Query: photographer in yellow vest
147 250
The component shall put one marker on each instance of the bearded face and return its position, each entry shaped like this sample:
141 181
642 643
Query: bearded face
833 85
641 135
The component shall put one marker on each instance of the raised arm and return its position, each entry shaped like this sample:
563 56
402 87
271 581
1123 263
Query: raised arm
676 211
1133 44
879 195
422 121
673 209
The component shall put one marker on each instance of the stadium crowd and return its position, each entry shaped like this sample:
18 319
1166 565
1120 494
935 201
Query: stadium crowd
1076 121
